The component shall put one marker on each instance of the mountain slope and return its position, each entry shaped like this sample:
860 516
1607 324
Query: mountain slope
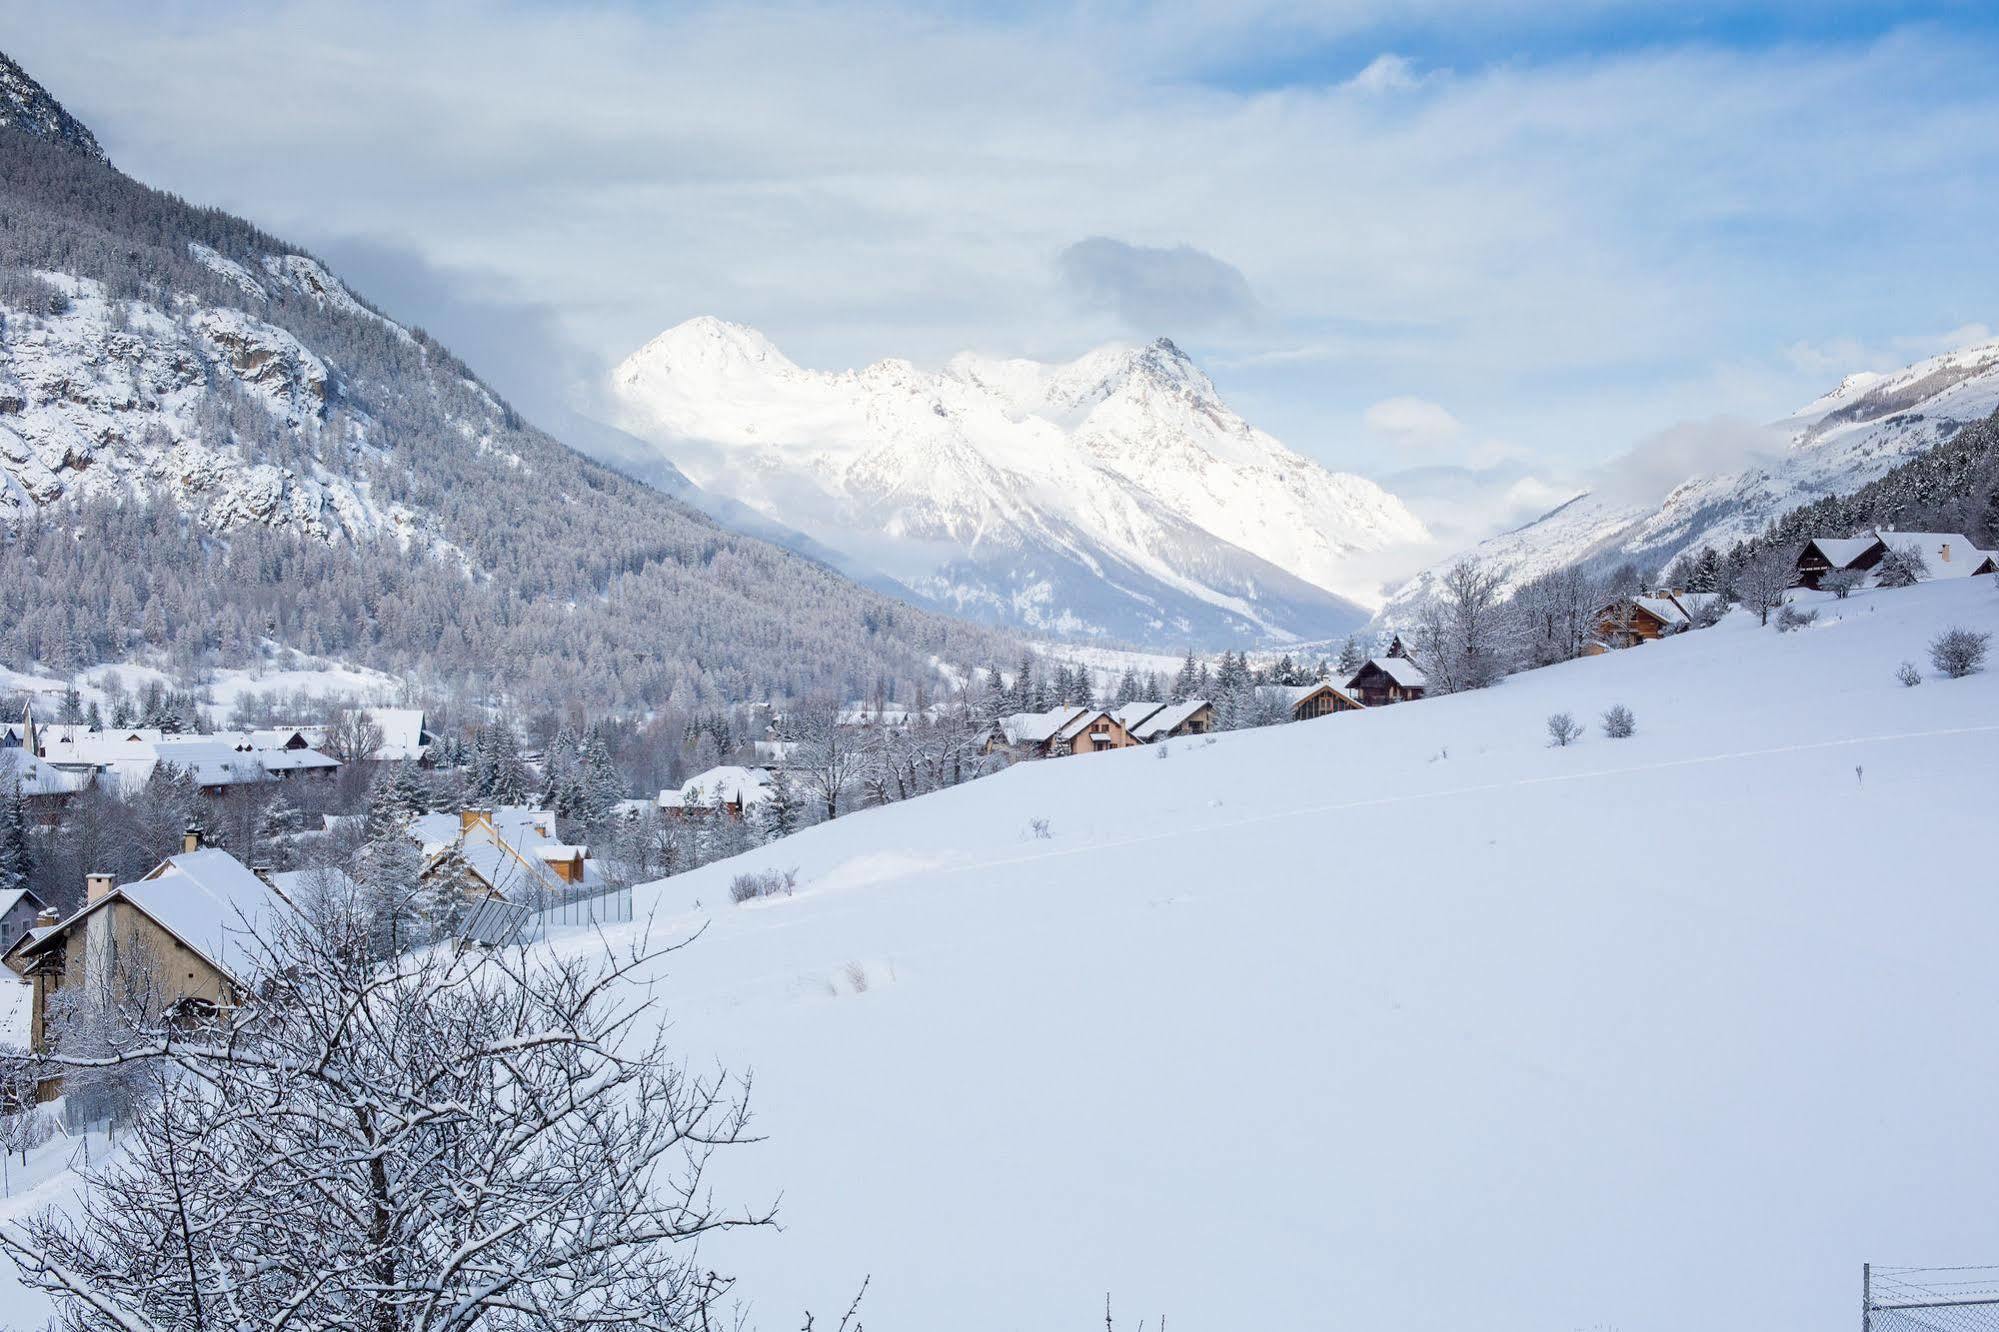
1851 436
248 450
1168 1052
1114 495
26 106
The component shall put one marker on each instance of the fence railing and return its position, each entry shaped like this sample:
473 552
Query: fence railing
1929 1299
494 922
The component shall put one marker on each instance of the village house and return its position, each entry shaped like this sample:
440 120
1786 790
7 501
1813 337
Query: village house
729 791
1384 680
1945 554
19 909
1148 722
127 758
184 937
44 788
1090 731
1321 699
510 852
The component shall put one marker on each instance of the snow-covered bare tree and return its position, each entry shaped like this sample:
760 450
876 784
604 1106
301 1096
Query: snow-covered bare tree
1841 582
1958 652
1901 566
1462 638
459 1141
1765 581
830 758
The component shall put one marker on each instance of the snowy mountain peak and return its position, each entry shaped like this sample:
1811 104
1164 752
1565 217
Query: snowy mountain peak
1114 494
27 106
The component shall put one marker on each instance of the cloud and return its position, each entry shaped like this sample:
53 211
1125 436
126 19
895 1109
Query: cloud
1838 357
1155 290
1412 423
1650 469
1386 73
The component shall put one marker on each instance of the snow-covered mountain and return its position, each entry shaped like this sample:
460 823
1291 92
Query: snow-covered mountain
1836 443
1116 494
207 440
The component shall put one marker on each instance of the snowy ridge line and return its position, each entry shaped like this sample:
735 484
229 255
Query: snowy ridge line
1336 807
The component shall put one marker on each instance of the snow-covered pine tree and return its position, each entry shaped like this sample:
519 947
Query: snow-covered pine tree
17 863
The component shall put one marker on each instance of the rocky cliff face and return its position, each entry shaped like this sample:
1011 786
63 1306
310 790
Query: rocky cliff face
27 107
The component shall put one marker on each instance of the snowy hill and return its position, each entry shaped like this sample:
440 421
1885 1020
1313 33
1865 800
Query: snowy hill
1403 1011
26 105
1837 443
1116 494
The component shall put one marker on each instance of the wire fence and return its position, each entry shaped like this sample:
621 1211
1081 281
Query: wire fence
1930 1299
494 921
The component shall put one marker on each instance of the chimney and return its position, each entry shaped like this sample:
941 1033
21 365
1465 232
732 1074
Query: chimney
1945 552
95 886
47 919
190 841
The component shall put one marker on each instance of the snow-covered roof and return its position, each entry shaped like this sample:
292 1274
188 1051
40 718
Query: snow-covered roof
293 760
506 850
1663 609
209 761
37 776
1947 554
729 784
1399 669
1164 718
12 898
1842 551
1131 715
1083 721
209 901
1037 728
403 736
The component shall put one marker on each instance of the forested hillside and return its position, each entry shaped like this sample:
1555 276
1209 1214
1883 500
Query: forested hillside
205 440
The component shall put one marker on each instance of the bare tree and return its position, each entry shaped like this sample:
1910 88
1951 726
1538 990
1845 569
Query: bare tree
1563 730
1765 581
1958 652
354 737
451 1142
830 758
1902 566
1462 635
1841 582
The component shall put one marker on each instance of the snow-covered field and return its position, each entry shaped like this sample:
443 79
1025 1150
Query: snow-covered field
1399 1019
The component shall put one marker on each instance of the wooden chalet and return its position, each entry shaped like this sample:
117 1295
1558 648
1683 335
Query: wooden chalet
1148 721
1322 699
1092 730
1945 554
1384 680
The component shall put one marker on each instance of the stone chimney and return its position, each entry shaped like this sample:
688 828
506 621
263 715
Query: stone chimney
47 919
190 841
95 886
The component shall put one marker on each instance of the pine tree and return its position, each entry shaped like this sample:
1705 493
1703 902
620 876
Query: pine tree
17 863
1188 681
600 788
1352 657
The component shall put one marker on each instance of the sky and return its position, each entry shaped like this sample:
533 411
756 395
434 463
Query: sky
1474 250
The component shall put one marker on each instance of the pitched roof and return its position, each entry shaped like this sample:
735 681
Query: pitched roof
1037 728
37 776
1165 717
1839 552
207 900
1399 669
1947 554
1135 713
1083 721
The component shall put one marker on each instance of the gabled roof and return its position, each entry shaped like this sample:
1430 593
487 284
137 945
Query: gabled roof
1085 718
503 850
1965 558
1037 728
1165 717
12 898
729 784
1839 552
1293 695
207 900
1399 669
1133 714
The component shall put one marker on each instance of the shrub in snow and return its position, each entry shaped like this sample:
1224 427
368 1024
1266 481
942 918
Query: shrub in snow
1618 723
1563 730
1039 827
1165 752
1902 566
1959 652
1908 675
1841 582
762 883
857 977
1790 617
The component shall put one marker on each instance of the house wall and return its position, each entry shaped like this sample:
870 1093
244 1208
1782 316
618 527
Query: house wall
1116 737
120 946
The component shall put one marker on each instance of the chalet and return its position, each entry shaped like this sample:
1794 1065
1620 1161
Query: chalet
1945 554
1091 730
1147 722
1382 680
1629 621
1322 699
186 935
509 852
729 791
1032 734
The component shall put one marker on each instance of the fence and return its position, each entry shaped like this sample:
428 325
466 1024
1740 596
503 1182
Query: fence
493 922
1929 1299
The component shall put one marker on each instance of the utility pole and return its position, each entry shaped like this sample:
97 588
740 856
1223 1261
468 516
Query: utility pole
1867 1297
